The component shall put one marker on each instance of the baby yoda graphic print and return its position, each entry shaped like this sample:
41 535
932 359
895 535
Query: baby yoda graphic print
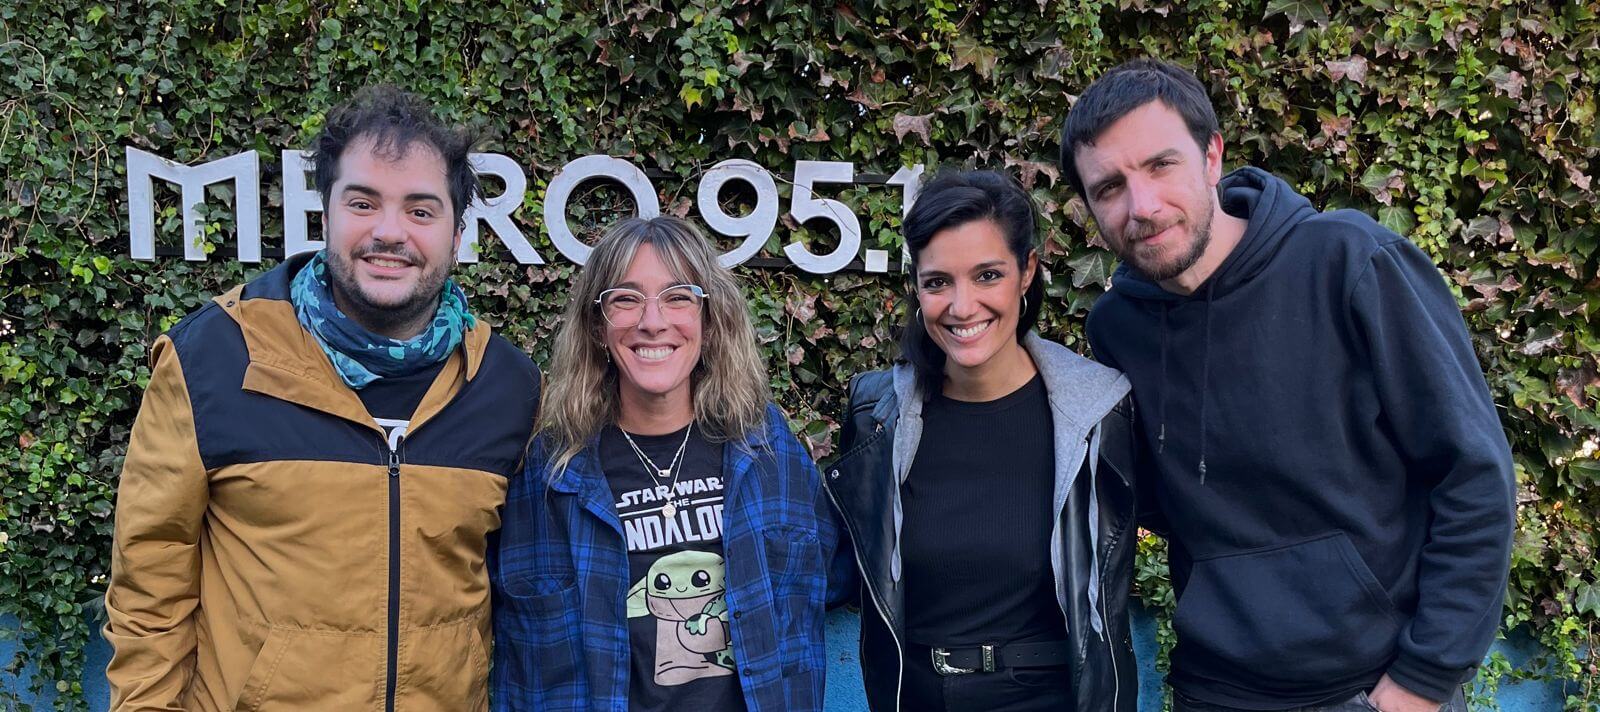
681 647
684 593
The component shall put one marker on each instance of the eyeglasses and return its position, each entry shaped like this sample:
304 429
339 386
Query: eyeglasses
624 308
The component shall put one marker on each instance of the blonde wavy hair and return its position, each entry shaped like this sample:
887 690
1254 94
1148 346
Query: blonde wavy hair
729 384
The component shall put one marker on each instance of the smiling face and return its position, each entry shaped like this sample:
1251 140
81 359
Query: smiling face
391 237
687 574
1152 190
970 289
655 357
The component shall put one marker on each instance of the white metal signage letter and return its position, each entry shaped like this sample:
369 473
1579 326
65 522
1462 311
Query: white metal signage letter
576 172
241 168
909 178
496 211
804 206
756 227
300 200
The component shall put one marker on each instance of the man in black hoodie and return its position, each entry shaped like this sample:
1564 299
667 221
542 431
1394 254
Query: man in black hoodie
1322 452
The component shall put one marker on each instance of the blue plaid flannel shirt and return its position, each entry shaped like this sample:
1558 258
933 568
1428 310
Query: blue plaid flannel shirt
559 571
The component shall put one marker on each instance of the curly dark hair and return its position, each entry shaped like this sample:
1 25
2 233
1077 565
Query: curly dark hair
395 120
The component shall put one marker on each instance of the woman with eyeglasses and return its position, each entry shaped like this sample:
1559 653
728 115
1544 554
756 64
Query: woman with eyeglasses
665 547
985 482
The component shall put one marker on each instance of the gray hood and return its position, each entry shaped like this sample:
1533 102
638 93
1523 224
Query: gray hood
1081 393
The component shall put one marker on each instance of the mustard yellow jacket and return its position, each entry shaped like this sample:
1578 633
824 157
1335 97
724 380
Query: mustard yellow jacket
273 551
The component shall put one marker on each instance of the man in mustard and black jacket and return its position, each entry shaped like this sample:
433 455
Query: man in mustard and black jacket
321 455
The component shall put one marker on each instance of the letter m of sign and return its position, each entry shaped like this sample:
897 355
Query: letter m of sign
242 168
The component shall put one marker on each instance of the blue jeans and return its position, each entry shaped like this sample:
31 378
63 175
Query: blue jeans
1359 703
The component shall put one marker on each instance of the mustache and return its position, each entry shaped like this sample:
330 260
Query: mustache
390 249
1142 230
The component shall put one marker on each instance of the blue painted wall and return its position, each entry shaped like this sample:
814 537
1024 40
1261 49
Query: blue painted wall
844 674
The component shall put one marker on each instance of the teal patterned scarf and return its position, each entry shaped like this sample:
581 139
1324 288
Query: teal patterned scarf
361 356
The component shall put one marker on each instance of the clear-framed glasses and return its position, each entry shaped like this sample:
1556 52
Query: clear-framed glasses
624 308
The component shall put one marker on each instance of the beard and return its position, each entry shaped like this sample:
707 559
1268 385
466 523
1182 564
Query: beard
1149 262
384 318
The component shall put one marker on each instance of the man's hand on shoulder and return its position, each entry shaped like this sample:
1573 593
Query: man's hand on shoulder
1389 696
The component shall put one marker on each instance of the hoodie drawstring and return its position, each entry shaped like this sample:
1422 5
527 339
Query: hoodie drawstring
1205 378
1161 410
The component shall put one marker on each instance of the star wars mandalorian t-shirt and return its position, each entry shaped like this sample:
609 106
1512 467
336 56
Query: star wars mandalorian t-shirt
678 625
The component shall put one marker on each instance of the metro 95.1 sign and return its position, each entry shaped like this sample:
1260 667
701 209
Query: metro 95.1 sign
300 200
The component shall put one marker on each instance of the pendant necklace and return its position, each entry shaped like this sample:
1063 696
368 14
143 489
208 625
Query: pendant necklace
657 473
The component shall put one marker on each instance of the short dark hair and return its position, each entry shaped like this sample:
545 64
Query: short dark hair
1126 88
394 120
951 199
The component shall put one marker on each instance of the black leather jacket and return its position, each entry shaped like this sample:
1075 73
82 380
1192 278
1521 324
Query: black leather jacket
862 487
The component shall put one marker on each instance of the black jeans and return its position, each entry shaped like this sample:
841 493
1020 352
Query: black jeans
1359 703
1033 689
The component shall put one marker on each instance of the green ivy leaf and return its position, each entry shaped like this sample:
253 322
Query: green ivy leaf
690 95
1299 12
1587 599
1091 268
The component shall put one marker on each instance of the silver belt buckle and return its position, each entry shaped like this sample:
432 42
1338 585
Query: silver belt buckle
941 664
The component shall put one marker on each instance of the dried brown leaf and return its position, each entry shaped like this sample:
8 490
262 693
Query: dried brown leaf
921 125
1536 346
1354 68
817 136
1335 126
802 307
1572 382
860 97
1029 171
1508 82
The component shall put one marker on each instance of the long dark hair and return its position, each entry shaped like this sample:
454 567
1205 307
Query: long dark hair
952 199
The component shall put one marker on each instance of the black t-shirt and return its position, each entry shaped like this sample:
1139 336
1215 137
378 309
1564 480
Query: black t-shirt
978 513
678 626
393 400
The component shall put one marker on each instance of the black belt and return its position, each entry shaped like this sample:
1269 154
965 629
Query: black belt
989 658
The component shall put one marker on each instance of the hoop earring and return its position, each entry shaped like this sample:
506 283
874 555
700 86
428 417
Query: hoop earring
919 313
1024 303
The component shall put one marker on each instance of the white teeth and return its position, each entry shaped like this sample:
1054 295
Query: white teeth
653 353
969 331
381 262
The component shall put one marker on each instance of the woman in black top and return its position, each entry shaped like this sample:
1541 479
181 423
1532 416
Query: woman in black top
985 482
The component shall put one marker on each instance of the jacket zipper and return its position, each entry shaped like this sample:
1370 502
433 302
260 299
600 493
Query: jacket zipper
393 643
1111 645
900 655
1105 622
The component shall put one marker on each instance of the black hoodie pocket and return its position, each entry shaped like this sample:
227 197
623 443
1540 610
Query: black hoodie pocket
1285 616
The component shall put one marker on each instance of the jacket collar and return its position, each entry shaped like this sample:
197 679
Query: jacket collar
1081 393
287 363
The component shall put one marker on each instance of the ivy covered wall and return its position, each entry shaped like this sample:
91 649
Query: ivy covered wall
1468 126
